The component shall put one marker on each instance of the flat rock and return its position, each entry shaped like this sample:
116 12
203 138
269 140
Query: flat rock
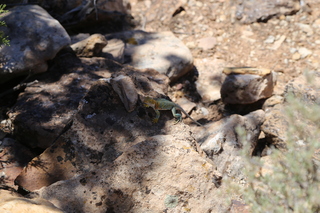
162 173
44 109
14 156
252 11
11 202
146 50
35 38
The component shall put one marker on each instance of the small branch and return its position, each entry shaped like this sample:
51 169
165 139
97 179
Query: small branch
18 87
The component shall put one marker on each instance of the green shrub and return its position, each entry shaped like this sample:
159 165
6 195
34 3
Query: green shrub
292 183
3 39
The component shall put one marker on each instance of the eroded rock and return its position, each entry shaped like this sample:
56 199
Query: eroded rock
35 37
222 142
92 46
252 11
247 85
15 203
145 50
159 173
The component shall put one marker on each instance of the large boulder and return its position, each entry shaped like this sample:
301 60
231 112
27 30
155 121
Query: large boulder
35 37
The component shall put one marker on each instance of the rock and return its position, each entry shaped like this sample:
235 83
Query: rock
120 161
187 105
296 56
46 108
11 202
35 37
252 11
243 86
108 16
14 156
145 50
114 50
304 52
162 172
91 46
278 43
224 133
210 78
222 143
59 6
269 40
101 130
54 164
304 88
125 88
305 28
207 43
275 127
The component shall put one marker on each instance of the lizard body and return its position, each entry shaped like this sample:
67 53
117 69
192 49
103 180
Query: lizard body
164 104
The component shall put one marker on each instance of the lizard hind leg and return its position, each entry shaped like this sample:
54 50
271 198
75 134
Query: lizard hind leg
177 116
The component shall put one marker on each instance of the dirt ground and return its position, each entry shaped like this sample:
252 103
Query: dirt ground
287 44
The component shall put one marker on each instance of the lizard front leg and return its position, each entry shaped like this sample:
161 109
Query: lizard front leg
177 116
156 119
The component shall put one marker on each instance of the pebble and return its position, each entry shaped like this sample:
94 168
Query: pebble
296 56
304 52
305 28
269 40
207 43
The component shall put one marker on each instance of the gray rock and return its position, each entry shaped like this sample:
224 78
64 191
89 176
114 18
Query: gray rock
162 172
247 88
125 88
221 141
260 10
146 50
44 109
35 37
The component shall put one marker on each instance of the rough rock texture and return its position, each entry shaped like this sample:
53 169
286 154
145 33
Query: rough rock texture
260 10
119 161
275 127
13 157
146 50
46 108
11 202
98 132
210 78
246 88
305 88
162 173
92 46
58 162
35 37
221 141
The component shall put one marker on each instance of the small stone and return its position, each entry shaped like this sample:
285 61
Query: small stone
269 40
207 43
305 28
296 56
304 52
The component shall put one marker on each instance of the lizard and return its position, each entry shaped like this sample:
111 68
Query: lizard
164 104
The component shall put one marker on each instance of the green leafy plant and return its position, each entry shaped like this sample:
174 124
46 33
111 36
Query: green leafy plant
3 39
